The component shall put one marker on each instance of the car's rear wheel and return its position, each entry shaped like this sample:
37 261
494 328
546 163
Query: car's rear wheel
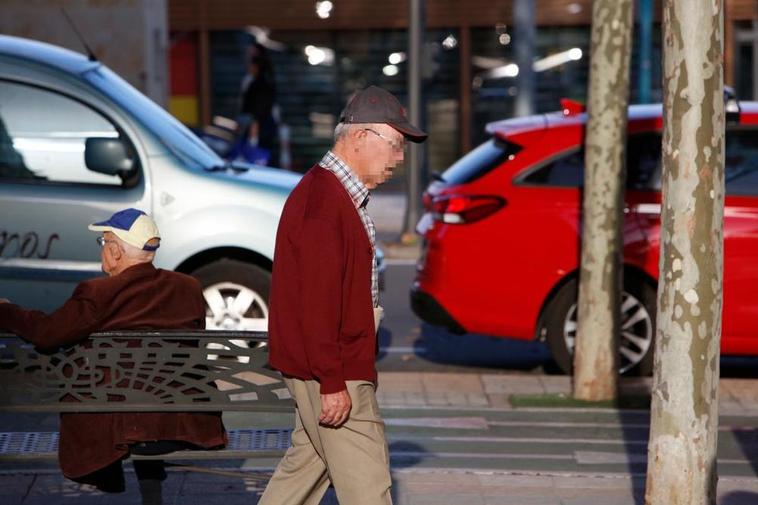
636 342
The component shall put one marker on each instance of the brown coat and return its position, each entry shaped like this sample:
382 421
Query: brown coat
141 297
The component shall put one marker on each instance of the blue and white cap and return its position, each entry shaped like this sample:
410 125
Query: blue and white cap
132 226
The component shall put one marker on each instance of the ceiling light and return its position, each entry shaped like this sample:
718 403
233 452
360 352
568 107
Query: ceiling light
450 42
396 58
390 70
324 9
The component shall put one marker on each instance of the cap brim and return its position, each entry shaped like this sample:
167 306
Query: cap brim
103 226
409 131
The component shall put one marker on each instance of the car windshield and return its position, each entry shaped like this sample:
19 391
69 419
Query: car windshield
175 136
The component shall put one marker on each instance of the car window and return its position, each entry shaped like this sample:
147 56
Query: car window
480 161
643 166
741 162
567 170
643 162
43 134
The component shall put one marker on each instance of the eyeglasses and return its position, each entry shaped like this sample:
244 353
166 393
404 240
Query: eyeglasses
394 144
101 241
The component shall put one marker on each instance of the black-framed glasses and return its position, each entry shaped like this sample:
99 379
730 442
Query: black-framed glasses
101 241
396 146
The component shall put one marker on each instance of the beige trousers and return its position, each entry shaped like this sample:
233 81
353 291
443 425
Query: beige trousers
354 457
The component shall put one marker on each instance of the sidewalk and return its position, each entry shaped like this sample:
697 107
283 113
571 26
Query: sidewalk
419 389
416 485
440 487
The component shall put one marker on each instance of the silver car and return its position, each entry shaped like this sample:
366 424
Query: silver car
78 143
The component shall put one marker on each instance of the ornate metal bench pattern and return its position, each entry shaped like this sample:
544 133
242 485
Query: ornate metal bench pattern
143 371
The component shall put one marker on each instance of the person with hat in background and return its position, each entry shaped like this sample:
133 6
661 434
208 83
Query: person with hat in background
324 311
133 295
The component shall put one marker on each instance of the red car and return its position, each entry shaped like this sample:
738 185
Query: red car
501 231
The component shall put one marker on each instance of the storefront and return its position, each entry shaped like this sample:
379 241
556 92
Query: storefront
320 57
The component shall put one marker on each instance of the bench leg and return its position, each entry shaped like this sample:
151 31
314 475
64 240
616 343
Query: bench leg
150 477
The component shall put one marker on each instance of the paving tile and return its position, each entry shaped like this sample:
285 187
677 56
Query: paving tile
437 399
608 500
541 482
509 384
399 382
737 497
15 487
621 483
452 383
445 499
477 400
499 400
522 500
415 399
555 384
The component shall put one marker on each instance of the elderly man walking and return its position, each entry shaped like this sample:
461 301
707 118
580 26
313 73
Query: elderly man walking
324 312
134 295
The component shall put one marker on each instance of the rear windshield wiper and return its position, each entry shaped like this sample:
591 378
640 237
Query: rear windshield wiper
437 176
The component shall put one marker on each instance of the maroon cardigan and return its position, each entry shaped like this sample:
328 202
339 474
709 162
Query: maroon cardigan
321 318
141 297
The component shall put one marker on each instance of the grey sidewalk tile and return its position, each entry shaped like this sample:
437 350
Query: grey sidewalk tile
599 483
12 499
478 400
541 482
436 399
215 499
452 383
400 382
606 500
522 500
57 485
414 399
500 400
737 497
444 499
15 487
556 384
509 384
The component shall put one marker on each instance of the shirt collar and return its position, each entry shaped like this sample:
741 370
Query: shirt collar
353 185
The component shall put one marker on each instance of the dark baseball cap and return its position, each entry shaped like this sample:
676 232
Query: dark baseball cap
376 105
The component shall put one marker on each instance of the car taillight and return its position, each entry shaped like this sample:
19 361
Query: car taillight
461 209
426 201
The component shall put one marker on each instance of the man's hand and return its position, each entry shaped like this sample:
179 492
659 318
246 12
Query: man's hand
335 408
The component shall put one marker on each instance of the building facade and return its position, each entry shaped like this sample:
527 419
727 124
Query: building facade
321 56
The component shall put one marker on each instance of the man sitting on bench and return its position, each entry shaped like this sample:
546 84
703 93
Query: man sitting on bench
134 295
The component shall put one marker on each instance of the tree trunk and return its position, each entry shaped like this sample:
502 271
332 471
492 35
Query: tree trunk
684 410
596 350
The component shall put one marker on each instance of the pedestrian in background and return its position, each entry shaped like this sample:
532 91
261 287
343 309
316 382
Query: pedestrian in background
258 100
325 312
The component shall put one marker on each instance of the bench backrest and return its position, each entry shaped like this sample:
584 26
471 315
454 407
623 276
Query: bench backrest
143 371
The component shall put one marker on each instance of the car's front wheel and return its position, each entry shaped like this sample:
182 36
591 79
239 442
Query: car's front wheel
236 295
636 342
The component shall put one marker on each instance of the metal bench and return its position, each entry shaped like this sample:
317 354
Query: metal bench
144 371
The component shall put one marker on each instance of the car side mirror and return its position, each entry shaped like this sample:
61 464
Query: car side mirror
107 156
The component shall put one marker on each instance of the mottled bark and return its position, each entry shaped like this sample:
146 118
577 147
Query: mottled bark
684 411
596 350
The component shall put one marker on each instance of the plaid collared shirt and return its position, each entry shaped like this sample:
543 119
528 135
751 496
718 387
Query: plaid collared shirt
359 194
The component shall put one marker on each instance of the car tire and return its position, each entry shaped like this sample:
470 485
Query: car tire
639 300
236 295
